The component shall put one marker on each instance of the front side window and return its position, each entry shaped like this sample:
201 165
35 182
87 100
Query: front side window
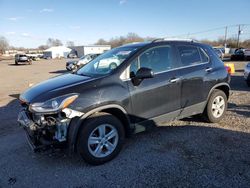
191 55
158 59
106 62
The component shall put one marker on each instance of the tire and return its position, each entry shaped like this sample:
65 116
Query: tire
92 127
214 110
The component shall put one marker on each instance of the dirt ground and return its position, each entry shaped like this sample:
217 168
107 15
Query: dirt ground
186 153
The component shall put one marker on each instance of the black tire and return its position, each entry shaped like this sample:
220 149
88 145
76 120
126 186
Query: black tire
248 83
87 129
208 112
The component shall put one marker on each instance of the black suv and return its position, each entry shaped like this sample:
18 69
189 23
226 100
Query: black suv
124 91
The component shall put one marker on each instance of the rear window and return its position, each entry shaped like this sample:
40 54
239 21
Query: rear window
191 55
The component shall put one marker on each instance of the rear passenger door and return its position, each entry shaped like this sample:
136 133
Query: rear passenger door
194 68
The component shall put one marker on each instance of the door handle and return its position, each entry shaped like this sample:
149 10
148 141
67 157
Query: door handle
208 69
174 80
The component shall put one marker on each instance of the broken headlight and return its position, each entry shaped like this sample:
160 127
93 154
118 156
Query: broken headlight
53 105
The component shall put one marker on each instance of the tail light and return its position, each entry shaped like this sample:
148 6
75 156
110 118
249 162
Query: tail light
229 70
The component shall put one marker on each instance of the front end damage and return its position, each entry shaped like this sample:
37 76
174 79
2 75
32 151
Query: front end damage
43 130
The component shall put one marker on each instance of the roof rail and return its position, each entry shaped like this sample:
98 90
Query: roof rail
173 39
157 40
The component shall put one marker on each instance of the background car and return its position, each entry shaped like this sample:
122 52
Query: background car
247 54
73 65
70 65
72 55
247 74
22 58
238 55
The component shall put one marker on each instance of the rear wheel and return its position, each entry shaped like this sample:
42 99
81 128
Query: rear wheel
216 106
100 138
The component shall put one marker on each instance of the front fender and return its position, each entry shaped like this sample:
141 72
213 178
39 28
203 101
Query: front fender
77 122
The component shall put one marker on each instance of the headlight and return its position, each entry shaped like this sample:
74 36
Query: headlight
54 105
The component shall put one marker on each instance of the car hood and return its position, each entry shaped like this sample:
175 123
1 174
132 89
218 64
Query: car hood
53 87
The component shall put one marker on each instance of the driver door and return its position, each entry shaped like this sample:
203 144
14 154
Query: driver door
159 95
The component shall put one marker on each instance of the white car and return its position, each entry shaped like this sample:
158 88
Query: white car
247 54
85 59
111 63
72 65
247 74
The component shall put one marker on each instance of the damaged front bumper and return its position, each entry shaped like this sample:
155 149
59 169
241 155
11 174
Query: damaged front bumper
46 130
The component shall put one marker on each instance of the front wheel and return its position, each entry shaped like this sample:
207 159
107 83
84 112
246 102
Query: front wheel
100 138
216 106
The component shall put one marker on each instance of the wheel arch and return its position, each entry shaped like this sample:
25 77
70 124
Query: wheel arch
114 109
223 87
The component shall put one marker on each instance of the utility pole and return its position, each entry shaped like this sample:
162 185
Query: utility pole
225 42
238 40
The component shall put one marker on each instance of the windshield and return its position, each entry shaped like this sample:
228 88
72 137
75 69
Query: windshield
106 62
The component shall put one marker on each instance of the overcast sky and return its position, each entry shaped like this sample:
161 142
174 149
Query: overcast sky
30 23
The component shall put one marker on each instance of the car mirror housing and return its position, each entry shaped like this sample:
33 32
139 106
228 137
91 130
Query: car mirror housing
144 73
141 74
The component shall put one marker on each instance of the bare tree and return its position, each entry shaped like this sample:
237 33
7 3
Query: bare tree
70 43
54 42
133 37
118 41
4 45
43 47
101 42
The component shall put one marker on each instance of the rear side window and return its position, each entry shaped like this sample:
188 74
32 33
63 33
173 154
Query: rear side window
191 55
204 56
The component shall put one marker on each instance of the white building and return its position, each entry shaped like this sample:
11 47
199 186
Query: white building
57 52
89 49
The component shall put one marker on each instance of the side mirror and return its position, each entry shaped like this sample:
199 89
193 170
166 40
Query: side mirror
144 73
141 74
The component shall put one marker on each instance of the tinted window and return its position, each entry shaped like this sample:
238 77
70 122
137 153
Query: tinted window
204 56
158 59
189 55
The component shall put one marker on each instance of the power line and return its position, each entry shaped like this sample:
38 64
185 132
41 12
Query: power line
210 30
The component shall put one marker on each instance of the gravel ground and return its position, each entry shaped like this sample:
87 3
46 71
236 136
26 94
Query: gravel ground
187 153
